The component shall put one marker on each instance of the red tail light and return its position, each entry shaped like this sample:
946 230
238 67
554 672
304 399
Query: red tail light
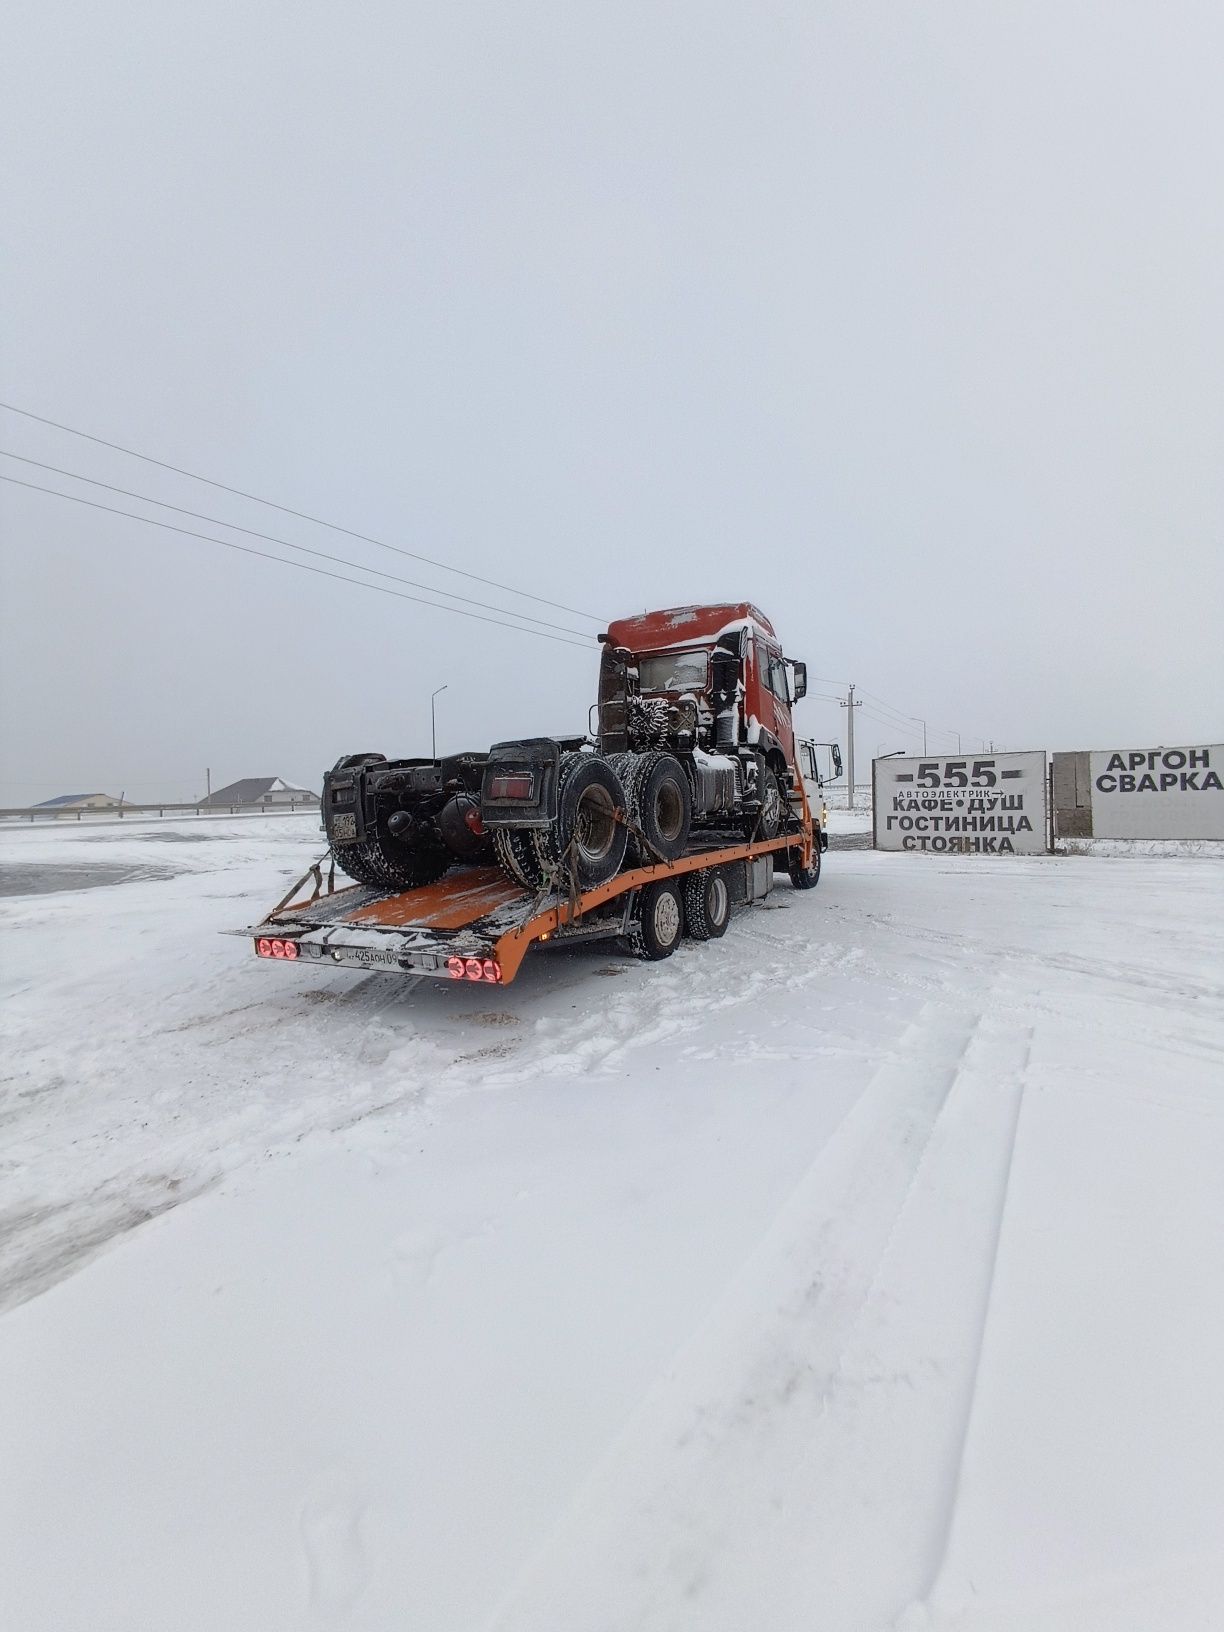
291 950
264 948
521 786
473 968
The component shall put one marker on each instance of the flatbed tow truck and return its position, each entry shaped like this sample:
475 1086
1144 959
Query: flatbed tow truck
476 924
687 796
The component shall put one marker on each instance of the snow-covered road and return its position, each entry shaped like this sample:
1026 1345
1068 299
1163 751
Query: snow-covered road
864 1269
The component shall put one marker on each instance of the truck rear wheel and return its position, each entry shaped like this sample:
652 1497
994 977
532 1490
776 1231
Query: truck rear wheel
516 855
382 862
659 923
586 834
707 904
660 803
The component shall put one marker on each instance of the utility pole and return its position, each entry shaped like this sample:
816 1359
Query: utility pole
922 723
208 782
850 705
433 722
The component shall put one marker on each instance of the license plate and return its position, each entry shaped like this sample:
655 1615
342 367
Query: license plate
344 827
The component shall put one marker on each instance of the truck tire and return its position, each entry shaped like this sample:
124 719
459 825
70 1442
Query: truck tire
707 904
587 832
354 860
767 822
658 924
805 878
384 863
516 855
660 804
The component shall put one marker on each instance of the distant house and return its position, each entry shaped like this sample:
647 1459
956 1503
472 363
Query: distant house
269 791
81 801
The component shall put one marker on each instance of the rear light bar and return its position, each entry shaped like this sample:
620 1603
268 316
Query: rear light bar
519 785
473 968
455 967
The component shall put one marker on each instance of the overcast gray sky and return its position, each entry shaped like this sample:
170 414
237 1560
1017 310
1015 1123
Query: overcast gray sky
904 321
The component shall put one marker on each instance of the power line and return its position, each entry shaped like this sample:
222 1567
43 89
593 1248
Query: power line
252 532
888 707
301 515
298 566
892 725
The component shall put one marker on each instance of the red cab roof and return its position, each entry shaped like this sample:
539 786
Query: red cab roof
682 626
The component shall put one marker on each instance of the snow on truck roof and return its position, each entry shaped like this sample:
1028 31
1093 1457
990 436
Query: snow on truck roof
659 631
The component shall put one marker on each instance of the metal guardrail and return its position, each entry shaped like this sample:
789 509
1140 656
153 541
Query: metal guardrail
41 813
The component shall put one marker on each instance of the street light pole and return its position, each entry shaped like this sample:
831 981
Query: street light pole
433 722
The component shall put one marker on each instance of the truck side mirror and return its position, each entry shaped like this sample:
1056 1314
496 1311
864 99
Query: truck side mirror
799 680
837 764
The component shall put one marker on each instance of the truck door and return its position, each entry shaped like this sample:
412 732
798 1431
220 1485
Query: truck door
773 690
808 770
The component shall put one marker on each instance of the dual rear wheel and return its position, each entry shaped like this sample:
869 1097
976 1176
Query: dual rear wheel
699 902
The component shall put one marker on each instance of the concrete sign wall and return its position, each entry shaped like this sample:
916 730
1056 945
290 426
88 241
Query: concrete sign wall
993 804
1140 793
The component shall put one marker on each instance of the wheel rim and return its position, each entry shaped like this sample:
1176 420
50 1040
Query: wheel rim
717 907
669 811
771 805
666 917
595 824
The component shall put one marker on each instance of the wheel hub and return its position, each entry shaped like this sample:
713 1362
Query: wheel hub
718 900
595 824
667 918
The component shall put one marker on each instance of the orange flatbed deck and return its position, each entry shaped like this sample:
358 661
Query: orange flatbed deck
474 918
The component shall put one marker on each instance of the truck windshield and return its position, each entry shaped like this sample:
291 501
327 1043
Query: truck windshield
674 671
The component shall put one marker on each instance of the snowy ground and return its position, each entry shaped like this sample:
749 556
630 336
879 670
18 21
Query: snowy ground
862 1270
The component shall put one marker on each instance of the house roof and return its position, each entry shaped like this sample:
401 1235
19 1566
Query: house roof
248 790
73 799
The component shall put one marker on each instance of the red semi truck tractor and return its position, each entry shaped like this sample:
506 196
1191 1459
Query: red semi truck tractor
692 735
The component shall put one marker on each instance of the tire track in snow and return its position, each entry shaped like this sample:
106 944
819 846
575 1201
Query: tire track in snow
662 1006
1148 979
915 1618
704 1509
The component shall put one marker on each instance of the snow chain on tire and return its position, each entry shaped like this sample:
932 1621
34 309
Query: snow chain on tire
369 863
635 772
517 856
551 857
557 848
